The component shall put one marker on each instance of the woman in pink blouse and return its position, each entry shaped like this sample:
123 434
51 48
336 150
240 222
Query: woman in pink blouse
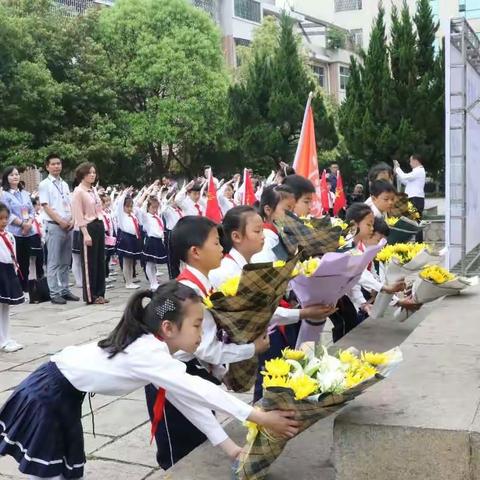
87 215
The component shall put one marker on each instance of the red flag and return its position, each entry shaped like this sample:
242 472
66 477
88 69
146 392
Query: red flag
248 197
340 198
212 211
306 163
324 193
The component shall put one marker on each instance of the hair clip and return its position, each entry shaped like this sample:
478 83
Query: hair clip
161 310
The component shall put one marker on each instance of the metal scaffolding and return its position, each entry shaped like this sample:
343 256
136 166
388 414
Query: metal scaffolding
463 50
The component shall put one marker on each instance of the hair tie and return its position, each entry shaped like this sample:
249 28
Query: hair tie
162 310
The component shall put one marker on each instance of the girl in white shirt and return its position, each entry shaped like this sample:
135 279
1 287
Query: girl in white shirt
11 292
40 424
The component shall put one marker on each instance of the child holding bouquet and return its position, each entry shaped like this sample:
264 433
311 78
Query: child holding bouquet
196 242
382 198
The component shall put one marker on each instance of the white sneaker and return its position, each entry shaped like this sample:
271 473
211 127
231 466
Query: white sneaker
11 346
27 297
154 287
136 280
131 286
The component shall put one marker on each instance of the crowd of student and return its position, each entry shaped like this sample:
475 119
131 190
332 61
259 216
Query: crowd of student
172 343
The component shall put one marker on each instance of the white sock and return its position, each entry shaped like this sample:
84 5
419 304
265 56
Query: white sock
77 268
4 323
151 272
128 270
32 268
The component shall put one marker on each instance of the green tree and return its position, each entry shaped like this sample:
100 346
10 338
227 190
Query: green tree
170 79
267 104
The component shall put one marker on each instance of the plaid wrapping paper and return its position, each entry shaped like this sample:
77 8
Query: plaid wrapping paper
246 316
315 241
403 231
401 208
265 449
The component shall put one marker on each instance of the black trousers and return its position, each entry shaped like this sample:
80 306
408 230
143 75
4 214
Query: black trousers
344 319
93 262
23 252
419 203
176 437
173 263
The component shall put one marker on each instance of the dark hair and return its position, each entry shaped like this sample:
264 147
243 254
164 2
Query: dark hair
381 186
299 185
35 200
128 202
138 320
83 170
196 187
104 196
190 231
4 208
151 200
378 168
234 220
417 157
357 212
381 226
5 185
271 197
51 156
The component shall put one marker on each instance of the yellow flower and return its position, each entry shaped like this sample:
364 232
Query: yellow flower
252 431
338 222
345 356
306 222
230 287
436 274
279 264
402 252
295 272
269 381
291 354
207 302
310 266
276 367
303 386
341 241
392 221
375 358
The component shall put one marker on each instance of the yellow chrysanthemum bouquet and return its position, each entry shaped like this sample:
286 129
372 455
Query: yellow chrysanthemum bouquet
313 387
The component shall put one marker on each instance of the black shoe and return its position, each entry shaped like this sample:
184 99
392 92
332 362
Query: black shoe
58 300
70 296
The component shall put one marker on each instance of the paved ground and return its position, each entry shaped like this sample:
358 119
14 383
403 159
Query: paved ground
121 448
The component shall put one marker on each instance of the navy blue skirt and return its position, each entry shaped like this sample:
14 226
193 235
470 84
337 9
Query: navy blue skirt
128 245
154 250
36 247
76 242
40 425
11 291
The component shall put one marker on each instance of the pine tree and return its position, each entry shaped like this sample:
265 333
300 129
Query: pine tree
426 30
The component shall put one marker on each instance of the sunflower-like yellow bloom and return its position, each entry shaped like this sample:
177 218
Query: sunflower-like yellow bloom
279 264
338 222
310 266
375 358
276 367
269 381
230 287
436 274
207 302
392 221
342 241
413 212
291 354
345 356
358 373
303 386
402 252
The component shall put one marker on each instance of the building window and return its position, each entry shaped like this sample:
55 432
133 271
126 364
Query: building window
248 9
210 6
319 73
356 36
347 5
344 76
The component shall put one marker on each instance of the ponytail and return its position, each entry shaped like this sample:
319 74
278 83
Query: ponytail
234 220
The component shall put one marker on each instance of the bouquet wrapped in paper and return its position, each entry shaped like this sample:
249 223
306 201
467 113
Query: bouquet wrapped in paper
313 387
403 207
314 236
402 229
402 261
242 309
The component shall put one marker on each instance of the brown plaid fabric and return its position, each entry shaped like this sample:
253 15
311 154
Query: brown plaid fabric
265 449
315 241
246 316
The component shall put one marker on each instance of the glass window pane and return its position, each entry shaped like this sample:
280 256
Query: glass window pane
248 9
346 5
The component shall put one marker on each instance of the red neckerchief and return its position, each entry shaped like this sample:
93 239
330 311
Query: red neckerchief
186 274
271 227
199 210
281 328
179 211
10 248
107 222
159 221
37 227
158 406
136 225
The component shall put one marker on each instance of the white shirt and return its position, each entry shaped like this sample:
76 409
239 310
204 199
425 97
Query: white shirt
414 181
188 205
5 254
172 214
211 351
125 222
150 224
376 212
147 360
267 254
231 267
56 194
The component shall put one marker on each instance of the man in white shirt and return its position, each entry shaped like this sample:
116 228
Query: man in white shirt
414 181
55 198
